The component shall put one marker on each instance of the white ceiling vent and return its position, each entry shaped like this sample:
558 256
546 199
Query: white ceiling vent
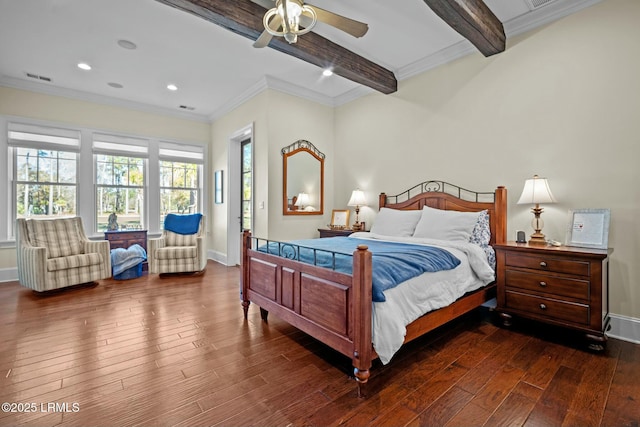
38 77
535 4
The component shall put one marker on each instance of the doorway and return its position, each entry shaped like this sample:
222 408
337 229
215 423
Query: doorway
240 206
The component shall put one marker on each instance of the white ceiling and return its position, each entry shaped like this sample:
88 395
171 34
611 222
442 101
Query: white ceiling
214 68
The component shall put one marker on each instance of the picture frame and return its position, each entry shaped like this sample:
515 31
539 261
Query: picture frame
588 228
217 193
339 219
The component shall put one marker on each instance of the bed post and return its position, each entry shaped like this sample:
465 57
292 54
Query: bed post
244 279
361 311
500 202
382 200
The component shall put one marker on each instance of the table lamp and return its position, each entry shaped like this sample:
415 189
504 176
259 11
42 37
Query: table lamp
357 199
302 201
536 190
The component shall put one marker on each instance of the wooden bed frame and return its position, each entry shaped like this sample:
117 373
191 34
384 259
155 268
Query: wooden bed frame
335 308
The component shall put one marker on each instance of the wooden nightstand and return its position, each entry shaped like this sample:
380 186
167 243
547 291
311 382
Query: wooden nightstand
329 232
564 286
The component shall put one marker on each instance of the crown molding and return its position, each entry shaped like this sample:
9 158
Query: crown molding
545 15
448 54
269 82
300 91
233 103
97 99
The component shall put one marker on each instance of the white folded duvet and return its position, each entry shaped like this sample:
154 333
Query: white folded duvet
429 291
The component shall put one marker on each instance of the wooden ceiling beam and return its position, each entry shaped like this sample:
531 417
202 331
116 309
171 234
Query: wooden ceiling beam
474 21
245 18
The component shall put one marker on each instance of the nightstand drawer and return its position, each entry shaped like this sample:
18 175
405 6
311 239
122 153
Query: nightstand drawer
548 284
553 309
547 263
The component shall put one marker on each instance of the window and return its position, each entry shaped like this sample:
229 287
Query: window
120 190
53 171
180 179
120 181
247 186
45 163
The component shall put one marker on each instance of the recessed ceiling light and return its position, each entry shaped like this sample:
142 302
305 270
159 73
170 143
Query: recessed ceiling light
115 85
84 66
172 87
327 73
127 44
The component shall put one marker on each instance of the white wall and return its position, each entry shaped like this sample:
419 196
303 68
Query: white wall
254 111
303 120
561 102
279 120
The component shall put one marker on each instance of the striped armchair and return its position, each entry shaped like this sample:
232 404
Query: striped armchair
55 253
178 253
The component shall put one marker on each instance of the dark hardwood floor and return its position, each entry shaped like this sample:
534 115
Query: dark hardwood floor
176 351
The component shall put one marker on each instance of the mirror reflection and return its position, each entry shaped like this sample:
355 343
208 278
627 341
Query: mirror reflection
303 179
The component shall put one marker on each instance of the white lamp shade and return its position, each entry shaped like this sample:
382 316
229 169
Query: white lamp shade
536 190
302 200
357 198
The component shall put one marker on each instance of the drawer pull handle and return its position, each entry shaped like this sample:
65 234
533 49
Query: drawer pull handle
543 284
543 264
543 307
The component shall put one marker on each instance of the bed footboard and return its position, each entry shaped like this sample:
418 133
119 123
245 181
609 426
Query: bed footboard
333 307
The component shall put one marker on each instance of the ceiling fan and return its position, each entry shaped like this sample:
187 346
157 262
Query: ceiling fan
291 18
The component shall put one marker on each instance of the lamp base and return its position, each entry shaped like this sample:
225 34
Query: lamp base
537 239
357 226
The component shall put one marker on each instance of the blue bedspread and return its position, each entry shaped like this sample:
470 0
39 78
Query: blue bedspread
392 263
182 224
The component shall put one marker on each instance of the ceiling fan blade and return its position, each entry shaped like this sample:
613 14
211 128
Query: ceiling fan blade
265 37
348 25
263 40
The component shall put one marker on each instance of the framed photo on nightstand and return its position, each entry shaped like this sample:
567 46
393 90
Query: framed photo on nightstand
339 219
588 228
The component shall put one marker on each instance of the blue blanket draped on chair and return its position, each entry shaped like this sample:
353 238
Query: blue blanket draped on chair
182 224
392 262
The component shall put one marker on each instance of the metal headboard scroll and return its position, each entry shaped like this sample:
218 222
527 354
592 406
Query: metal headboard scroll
302 143
442 187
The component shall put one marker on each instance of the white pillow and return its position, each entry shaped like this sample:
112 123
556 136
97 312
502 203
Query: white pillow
393 222
446 225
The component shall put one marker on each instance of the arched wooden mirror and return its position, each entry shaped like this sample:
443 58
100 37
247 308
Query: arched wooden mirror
302 179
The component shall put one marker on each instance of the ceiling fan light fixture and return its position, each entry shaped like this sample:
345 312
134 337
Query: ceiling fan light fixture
287 24
290 8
